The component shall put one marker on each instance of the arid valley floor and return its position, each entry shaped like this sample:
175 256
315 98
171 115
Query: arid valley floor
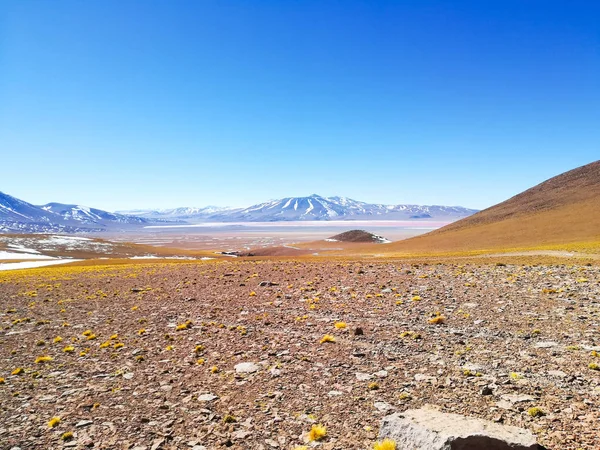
144 355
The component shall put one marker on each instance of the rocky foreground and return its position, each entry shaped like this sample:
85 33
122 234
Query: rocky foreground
269 355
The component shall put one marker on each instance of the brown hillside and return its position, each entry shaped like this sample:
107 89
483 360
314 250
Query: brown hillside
564 209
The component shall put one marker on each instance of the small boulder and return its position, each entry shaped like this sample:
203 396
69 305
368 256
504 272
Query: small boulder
247 367
429 429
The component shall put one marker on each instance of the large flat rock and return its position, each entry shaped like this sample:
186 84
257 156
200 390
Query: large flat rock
429 429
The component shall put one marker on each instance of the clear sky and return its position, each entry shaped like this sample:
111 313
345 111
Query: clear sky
135 104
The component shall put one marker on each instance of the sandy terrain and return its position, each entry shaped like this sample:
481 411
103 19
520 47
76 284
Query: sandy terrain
512 338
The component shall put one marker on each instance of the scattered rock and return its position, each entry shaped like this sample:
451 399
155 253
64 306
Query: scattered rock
428 429
383 406
208 397
486 390
426 378
83 423
360 376
246 367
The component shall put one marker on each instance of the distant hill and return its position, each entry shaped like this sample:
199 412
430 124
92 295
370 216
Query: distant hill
313 207
563 209
358 236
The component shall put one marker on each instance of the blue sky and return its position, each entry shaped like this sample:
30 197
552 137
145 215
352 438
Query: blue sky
125 104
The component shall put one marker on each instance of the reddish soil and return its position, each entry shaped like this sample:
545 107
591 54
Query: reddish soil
512 338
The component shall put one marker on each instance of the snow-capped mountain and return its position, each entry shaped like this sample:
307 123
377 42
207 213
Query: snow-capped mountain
15 210
314 207
18 216
90 216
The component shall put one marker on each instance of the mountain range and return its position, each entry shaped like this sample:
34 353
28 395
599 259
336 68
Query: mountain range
313 207
18 216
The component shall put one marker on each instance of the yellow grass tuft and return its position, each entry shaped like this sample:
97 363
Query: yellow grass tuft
386 444
2 380
57 339
317 432
53 422
184 326
67 436
536 412
17 371
340 325
69 349
594 366
214 369
118 345
43 359
327 338
437 320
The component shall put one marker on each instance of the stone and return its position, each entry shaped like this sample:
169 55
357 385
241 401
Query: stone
207 397
516 398
429 429
360 376
83 423
247 367
426 378
383 406
486 390
557 373
157 443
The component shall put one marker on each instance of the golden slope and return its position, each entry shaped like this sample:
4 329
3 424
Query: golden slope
563 210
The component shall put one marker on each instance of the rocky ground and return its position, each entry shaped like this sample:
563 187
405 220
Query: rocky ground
234 353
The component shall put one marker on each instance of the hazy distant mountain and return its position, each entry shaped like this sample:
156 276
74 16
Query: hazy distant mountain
314 207
176 213
18 216
90 216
